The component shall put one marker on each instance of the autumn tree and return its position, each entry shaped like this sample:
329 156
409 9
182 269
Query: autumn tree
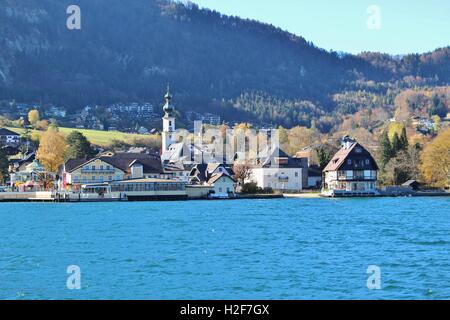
435 158
399 169
33 117
52 149
300 137
46 180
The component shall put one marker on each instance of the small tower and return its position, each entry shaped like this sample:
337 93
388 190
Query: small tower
168 123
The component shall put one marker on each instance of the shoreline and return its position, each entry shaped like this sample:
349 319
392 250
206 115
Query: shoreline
18 198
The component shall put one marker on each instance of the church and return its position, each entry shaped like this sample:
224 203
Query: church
179 157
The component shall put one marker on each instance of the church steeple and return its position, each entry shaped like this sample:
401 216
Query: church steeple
168 122
168 109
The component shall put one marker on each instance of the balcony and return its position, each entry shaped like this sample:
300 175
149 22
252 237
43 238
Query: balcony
97 171
357 176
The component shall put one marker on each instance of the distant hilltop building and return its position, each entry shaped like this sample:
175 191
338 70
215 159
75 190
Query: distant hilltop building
351 172
9 138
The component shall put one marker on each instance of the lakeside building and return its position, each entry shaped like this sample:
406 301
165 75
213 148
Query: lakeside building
178 171
215 175
150 189
29 176
111 166
351 172
279 171
9 138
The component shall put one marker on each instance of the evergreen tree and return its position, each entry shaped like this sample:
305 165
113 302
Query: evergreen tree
3 165
78 146
385 148
396 145
404 139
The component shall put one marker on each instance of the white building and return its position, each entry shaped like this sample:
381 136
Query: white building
223 185
279 171
215 175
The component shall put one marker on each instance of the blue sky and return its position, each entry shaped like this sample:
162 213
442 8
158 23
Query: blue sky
413 26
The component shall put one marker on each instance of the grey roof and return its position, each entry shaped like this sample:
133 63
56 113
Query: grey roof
7 132
175 153
151 162
217 176
203 172
409 183
73 164
269 161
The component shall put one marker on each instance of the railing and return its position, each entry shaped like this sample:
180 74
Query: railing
98 171
90 181
359 177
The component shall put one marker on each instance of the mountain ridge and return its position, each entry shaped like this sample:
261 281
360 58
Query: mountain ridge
127 52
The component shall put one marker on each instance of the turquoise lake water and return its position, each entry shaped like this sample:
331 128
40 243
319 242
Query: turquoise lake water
248 249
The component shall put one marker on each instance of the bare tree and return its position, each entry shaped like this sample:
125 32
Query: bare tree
242 171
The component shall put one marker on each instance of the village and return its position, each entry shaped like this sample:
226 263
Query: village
198 166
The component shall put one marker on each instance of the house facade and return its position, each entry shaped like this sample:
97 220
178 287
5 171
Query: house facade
9 138
223 185
352 171
215 175
111 167
279 171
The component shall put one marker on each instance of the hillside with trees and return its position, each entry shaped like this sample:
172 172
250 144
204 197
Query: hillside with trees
240 69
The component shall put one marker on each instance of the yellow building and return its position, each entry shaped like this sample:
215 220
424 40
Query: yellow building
111 167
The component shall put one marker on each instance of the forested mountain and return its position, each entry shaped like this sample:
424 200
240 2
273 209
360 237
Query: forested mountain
129 50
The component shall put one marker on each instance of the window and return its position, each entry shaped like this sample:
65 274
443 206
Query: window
367 161
93 178
349 161
220 189
93 167
296 174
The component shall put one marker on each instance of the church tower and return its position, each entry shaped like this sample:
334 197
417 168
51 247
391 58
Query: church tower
168 133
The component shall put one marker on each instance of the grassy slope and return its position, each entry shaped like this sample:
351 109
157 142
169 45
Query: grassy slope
97 137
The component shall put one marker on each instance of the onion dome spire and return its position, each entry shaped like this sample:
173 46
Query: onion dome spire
168 109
